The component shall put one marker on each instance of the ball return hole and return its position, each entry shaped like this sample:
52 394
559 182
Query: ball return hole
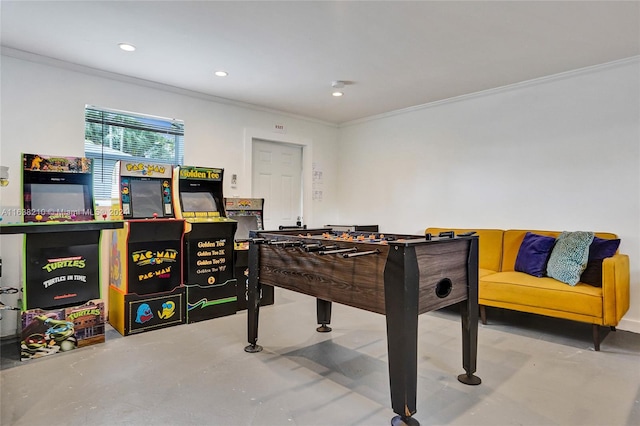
443 288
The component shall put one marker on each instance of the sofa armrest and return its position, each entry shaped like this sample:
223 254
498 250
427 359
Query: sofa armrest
615 288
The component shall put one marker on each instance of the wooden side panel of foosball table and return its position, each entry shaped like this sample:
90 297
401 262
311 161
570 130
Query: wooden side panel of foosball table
437 261
357 281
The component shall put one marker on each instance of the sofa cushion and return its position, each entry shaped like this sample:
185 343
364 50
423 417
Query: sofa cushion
513 239
533 254
512 242
569 256
600 249
521 289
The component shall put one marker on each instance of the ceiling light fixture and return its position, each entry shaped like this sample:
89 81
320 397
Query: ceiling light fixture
127 47
337 85
221 73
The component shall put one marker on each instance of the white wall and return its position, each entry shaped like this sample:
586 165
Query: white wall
42 111
560 153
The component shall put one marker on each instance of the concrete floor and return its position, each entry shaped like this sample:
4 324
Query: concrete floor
534 370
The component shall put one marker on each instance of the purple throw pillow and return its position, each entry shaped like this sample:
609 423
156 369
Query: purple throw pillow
534 254
599 249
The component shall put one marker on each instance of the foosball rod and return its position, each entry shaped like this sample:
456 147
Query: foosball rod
286 243
338 251
361 253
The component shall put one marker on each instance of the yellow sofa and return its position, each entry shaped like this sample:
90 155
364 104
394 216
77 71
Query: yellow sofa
502 287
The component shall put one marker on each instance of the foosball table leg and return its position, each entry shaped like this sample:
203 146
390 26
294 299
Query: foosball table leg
404 421
323 309
253 301
469 317
401 309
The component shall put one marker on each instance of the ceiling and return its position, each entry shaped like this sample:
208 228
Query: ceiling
284 55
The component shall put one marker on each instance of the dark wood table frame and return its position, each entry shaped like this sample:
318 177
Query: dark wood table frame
401 279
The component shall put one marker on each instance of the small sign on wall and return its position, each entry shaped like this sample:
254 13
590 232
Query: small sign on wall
317 182
279 128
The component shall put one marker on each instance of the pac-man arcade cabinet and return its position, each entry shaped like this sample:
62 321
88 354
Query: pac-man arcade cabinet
145 280
208 243
248 212
62 301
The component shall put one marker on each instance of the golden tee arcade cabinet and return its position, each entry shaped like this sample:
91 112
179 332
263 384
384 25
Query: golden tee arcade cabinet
208 273
62 305
145 279
248 212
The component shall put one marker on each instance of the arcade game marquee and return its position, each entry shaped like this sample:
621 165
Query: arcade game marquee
248 212
145 278
62 306
208 273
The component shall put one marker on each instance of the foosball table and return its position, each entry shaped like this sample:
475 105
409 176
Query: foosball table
399 276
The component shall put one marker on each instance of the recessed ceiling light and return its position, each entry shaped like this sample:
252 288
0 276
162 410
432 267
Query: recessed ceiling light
127 47
337 85
221 73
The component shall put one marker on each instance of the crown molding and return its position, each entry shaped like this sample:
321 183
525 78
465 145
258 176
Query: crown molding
70 66
501 89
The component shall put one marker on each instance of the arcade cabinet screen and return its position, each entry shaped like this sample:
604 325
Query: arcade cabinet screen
245 224
58 197
198 202
146 198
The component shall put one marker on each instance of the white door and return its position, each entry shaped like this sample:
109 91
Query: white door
277 177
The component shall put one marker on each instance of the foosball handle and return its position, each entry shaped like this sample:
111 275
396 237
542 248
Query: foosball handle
447 234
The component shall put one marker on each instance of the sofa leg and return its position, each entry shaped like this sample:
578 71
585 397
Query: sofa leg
596 337
483 315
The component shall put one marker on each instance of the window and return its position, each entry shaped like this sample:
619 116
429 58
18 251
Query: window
111 135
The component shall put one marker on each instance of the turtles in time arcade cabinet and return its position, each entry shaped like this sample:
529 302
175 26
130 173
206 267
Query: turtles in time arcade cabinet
208 243
62 304
145 279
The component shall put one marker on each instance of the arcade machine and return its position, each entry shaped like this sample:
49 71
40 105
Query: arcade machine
248 212
208 243
62 306
145 279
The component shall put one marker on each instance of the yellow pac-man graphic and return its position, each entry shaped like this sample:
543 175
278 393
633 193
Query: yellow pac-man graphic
168 309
